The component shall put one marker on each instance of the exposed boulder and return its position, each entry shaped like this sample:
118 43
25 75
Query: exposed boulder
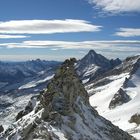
135 119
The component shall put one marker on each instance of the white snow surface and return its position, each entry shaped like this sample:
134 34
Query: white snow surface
90 70
85 80
35 83
120 115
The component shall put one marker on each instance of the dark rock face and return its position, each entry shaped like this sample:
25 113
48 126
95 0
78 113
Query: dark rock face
115 62
1 128
135 119
128 83
66 113
119 98
27 110
93 58
95 61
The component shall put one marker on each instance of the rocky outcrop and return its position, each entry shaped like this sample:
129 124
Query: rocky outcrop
119 98
115 62
135 119
65 113
1 129
30 106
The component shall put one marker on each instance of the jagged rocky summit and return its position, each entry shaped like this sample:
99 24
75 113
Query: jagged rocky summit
63 112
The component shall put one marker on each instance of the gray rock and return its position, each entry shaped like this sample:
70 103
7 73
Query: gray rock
135 119
1 128
119 98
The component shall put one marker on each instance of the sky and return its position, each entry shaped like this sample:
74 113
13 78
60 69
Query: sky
59 29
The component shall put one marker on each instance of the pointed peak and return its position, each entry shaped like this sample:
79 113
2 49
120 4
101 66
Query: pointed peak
92 52
91 55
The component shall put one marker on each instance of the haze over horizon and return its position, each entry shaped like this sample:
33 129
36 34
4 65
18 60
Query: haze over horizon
54 30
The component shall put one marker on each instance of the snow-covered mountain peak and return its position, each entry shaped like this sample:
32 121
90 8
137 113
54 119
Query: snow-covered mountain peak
93 58
91 54
64 113
93 65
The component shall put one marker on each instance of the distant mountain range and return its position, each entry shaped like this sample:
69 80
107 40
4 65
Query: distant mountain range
18 73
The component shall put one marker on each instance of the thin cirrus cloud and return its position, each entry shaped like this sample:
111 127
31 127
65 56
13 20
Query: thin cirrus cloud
116 6
111 45
2 36
47 26
128 32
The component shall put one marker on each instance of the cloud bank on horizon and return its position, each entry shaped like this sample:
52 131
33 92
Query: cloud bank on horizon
108 48
116 45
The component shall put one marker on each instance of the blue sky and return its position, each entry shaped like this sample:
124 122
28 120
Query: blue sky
58 29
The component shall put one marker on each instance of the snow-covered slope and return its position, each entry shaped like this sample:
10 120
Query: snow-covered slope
104 90
93 65
15 101
35 83
63 112
10 106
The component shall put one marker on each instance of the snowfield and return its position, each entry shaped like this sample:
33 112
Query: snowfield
35 83
90 70
120 115
11 105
